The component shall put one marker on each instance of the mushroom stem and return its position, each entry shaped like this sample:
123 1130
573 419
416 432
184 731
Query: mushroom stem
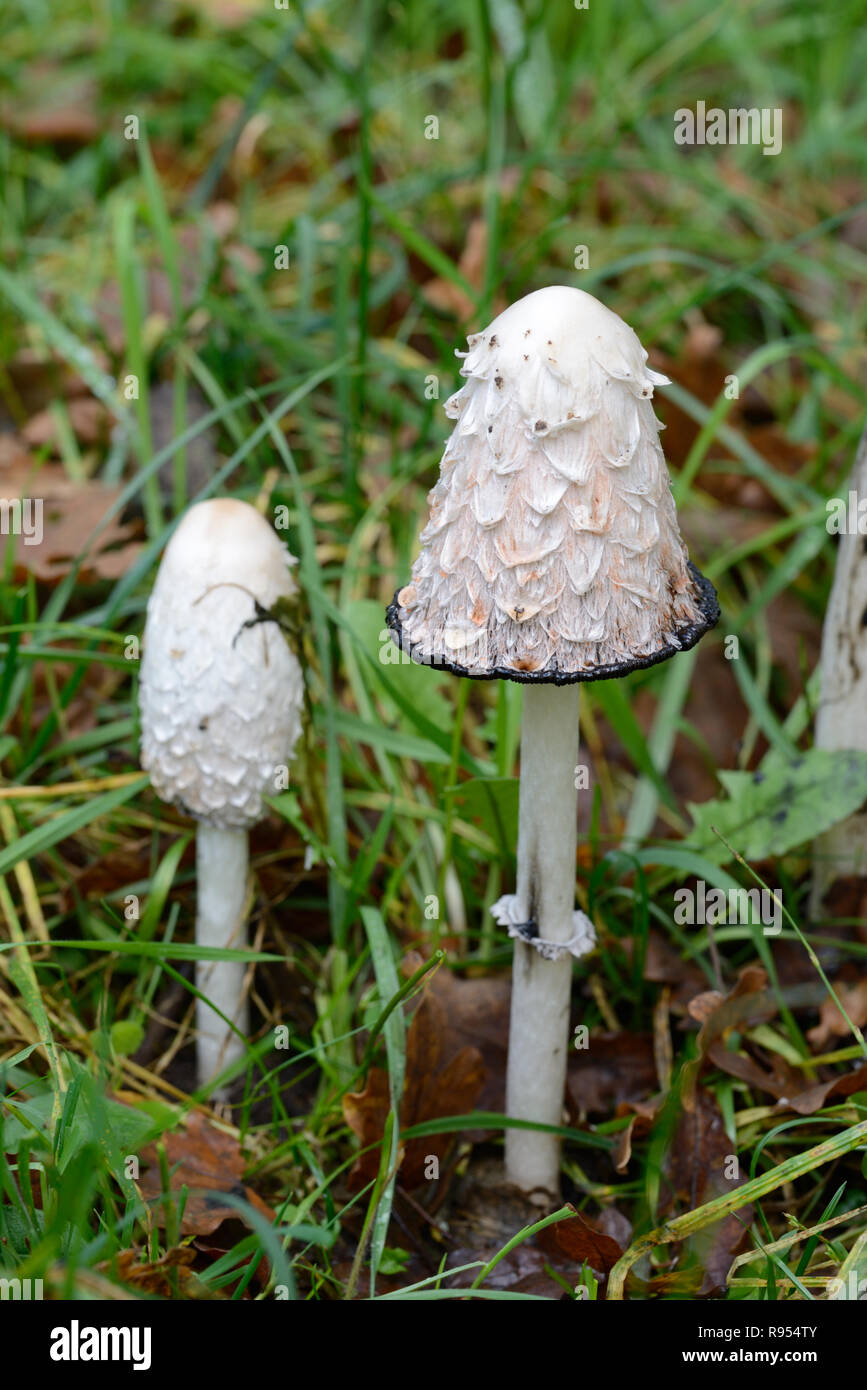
221 865
841 717
547 842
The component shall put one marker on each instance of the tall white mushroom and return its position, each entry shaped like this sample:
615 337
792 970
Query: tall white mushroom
552 556
221 696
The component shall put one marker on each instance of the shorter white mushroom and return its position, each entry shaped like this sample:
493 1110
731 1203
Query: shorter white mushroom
221 696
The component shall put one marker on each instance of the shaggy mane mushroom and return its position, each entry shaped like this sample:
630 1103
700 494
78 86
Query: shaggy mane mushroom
221 696
552 556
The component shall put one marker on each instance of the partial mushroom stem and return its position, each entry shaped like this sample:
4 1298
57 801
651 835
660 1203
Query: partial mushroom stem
221 865
841 717
547 842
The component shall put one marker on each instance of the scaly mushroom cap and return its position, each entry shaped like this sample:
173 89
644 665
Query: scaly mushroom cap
552 551
221 692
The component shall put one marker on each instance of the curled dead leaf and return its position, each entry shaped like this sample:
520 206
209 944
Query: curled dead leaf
208 1162
582 1239
440 1080
832 1023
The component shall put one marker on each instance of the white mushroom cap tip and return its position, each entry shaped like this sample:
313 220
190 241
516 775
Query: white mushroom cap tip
552 544
220 701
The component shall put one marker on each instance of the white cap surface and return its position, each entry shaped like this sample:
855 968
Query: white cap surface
220 702
553 543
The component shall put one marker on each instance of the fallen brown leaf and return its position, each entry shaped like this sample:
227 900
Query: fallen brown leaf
159 1278
781 1082
89 420
52 107
37 378
748 1002
477 1015
812 1098
107 875
616 1067
847 898
70 511
701 1165
664 965
522 1270
581 1239
641 1120
832 1023
440 1080
208 1162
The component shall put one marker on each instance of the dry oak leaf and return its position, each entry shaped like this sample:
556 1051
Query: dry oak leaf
643 1113
38 377
699 1166
59 515
159 1277
785 1083
52 108
780 1082
477 1016
615 1068
365 1112
664 965
748 1000
523 1270
812 1098
534 1268
832 1023
89 420
748 1003
439 1081
208 1162
582 1239
101 878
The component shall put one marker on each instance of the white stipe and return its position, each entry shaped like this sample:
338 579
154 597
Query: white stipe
547 842
221 862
